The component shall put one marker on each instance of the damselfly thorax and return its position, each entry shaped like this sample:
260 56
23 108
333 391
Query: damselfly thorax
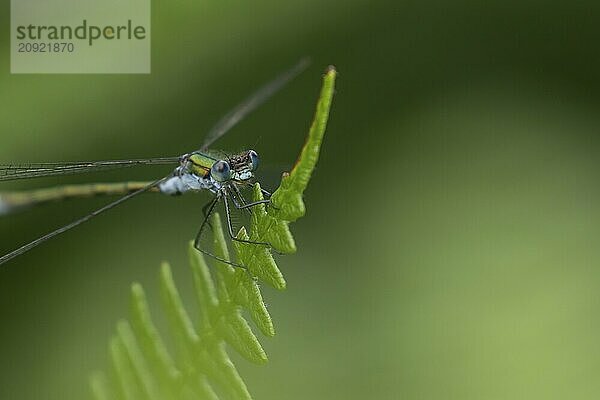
199 171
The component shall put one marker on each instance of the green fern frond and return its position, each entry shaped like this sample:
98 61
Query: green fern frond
141 364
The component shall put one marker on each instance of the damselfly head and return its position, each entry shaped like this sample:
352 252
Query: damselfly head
242 166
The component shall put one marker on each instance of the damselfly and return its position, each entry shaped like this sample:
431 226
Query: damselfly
200 170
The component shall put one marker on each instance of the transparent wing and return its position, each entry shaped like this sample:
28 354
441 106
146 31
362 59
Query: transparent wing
250 104
9 172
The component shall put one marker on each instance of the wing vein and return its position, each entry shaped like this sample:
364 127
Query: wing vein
37 170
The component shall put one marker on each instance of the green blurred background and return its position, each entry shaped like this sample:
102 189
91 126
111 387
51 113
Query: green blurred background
450 248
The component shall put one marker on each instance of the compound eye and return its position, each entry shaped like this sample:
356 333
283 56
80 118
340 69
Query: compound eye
221 171
254 158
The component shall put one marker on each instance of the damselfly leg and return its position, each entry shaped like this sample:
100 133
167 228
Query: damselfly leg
240 203
210 207
238 199
230 225
225 196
